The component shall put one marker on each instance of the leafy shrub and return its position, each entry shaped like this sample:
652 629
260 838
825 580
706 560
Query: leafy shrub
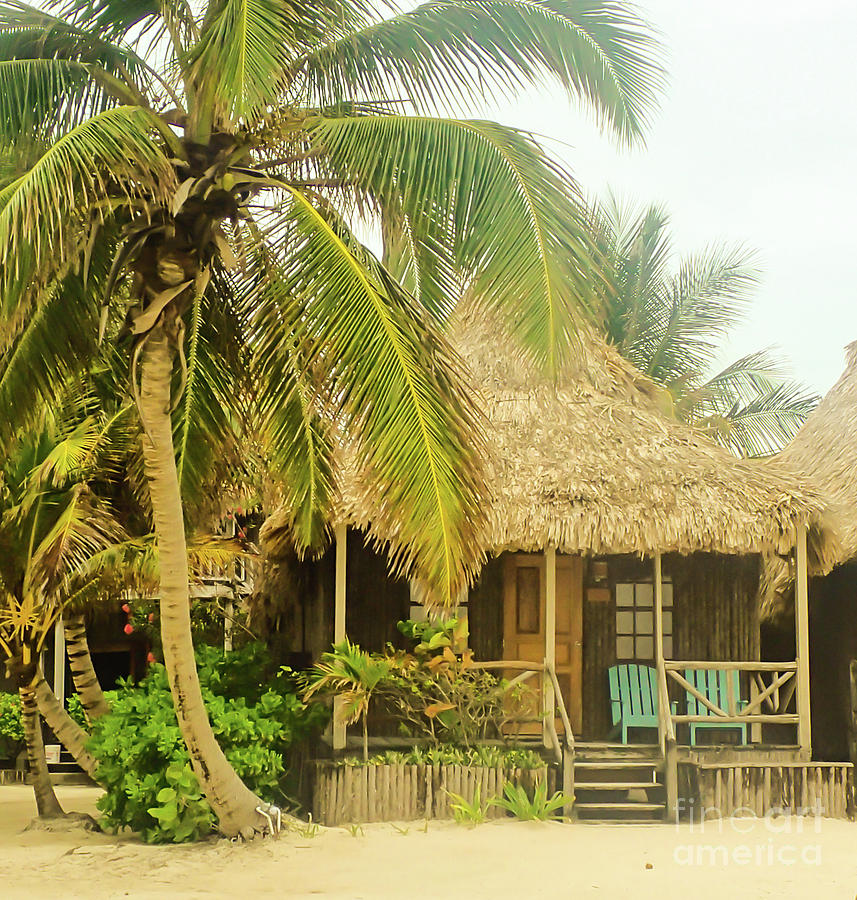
448 755
144 765
11 729
75 710
434 692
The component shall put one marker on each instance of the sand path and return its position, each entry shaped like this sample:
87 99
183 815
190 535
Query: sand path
496 861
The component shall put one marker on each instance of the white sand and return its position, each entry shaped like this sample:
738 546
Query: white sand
496 861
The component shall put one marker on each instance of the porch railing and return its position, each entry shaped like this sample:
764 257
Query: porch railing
563 751
772 688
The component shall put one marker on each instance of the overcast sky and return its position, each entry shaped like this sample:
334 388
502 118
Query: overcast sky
755 142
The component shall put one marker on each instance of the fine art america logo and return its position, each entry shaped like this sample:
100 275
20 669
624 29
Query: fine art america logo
779 838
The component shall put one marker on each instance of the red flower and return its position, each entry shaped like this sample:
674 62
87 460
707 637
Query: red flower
150 657
126 608
151 617
239 511
128 628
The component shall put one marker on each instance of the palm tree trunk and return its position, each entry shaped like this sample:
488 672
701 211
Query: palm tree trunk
233 803
68 732
46 799
82 672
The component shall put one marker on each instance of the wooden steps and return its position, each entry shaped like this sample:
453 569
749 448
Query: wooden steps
618 783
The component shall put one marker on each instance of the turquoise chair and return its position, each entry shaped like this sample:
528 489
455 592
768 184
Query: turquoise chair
633 697
717 685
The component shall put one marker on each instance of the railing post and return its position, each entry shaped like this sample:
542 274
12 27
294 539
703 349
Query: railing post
548 699
802 642
341 535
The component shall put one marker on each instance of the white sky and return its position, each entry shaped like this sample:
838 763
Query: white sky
755 142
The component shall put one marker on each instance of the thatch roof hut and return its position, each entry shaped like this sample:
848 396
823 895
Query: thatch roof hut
591 463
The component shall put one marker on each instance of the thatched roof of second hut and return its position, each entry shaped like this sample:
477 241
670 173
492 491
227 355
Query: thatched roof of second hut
825 451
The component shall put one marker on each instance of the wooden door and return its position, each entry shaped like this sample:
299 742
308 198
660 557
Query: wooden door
524 622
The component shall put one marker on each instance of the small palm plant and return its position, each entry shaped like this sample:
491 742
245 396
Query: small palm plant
351 675
517 801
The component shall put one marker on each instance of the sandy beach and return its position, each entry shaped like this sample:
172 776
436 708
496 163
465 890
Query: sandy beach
496 861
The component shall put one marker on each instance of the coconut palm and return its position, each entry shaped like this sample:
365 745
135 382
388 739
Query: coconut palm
221 154
671 326
53 528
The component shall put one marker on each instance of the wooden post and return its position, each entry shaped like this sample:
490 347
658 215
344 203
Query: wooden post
548 699
659 644
341 534
852 721
802 643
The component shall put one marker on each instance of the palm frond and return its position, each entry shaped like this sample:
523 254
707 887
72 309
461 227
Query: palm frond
240 59
391 382
82 528
208 414
764 424
485 200
106 160
704 303
449 53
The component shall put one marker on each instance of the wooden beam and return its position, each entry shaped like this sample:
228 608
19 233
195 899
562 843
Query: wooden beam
673 665
802 642
548 699
341 534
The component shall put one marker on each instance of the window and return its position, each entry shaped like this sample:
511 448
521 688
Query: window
635 621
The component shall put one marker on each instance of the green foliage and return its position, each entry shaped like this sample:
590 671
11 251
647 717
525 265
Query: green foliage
517 801
469 813
448 755
435 693
431 636
182 813
11 729
143 762
75 710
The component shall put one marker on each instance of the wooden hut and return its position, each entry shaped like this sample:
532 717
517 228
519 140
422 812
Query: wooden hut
825 452
616 535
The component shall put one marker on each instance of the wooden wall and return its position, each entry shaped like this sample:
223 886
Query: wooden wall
716 607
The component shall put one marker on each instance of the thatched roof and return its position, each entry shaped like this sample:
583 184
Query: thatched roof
825 451
592 464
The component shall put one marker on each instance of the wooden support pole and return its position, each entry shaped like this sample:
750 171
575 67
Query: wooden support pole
659 644
802 642
852 722
548 699
341 534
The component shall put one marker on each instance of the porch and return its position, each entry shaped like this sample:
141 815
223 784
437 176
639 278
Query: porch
549 628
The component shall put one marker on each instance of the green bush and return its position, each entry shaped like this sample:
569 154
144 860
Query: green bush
447 755
144 765
11 730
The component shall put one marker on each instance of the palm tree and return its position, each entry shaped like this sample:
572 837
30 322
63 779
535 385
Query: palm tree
352 675
218 155
53 528
671 325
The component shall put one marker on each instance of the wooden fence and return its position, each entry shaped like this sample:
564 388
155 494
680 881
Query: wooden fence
760 789
346 794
